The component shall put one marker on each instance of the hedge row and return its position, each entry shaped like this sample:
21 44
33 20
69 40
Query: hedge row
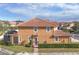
58 45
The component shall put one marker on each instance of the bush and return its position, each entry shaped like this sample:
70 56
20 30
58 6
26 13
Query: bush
8 44
27 45
58 45
2 42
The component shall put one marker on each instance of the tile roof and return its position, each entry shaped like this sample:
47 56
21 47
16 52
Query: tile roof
12 23
37 22
60 33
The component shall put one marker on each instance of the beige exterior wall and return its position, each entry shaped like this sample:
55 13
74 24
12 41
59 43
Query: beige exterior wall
42 35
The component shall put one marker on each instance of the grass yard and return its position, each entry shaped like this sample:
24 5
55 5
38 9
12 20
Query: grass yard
18 49
0 46
50 50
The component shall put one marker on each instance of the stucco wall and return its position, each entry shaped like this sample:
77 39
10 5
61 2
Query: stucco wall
42 35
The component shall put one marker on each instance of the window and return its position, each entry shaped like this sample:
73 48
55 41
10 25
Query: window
59 27
35 29
48 29
36 41
56 38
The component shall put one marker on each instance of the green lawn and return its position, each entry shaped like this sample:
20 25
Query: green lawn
50 50
18 49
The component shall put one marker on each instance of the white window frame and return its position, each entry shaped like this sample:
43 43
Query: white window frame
36 29
47 29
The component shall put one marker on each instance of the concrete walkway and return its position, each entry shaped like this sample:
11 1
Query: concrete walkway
5 52
60 53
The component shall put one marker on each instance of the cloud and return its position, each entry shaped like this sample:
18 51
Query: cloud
3 4
45 9
32 9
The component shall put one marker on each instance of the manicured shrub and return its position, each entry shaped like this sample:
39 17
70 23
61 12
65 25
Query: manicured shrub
27 45
58 45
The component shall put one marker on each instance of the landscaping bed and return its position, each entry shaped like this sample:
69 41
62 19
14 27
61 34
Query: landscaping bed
15 48
58 45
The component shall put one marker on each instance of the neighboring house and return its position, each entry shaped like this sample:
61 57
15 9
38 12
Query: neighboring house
12 23
75 38
41 31
70 25
67 25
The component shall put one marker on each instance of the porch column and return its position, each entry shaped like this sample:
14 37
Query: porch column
12 41
19 39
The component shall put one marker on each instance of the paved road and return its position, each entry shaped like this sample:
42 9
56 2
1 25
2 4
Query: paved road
2 53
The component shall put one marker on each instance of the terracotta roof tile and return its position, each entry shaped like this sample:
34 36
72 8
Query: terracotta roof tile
38 22
12 22
60 33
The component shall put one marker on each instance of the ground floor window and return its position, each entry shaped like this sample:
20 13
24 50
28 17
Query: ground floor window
56 39
15 40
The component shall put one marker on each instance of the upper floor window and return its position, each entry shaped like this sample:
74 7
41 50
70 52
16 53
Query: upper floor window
56 39
48 29
59 27
35 29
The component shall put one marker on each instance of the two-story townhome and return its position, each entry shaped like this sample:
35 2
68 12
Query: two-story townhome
40 32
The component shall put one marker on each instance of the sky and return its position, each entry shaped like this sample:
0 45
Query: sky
52 11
